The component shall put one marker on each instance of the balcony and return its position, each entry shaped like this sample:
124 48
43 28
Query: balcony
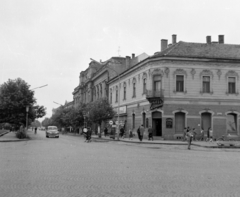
155 98
154 94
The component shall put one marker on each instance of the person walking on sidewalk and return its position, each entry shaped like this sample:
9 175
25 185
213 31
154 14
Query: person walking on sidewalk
210 134
141 132
105 131
138 133
202 134
189 138
35 130
130 134
150 133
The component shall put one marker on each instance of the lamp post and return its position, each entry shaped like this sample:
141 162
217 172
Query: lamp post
27 109
118 131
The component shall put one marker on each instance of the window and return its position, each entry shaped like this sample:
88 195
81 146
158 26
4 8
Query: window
157 83
134 89
206 84
111 96
144 119
124 91
231 85
180 83
144 85
116 93
231 123
133 121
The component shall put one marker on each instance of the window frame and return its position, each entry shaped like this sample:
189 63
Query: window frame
183 83
235 85
209 85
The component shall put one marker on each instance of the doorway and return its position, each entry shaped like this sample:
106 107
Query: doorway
206 121
157 123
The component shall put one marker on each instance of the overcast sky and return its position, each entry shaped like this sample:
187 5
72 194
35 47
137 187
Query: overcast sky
52 41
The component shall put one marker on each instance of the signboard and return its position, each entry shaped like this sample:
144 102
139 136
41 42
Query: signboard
110 122
122 110
155 103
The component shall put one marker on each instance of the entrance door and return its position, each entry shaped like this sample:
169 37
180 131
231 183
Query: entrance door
157 123
179 122
206 121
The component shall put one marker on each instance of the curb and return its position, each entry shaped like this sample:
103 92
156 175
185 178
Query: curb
4 133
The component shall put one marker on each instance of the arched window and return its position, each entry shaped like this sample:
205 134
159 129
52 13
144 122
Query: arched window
124 91
133 121
116 94
231 123
111 96
144 85
134 87
144 119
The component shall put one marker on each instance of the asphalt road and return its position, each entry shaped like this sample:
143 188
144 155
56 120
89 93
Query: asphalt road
70 167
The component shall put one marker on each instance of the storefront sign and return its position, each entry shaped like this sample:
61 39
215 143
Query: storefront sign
155 103
122 110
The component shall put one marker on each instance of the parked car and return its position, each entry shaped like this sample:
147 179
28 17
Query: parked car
52 131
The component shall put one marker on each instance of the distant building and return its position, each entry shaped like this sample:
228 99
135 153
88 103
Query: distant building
184 84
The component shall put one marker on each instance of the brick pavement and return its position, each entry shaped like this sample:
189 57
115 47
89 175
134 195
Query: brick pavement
69 167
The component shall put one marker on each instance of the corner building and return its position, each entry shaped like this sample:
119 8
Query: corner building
184 84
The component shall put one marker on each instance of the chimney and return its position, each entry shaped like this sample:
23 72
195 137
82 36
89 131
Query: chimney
164 44
209 40
221 39
128 61
174 39
133 55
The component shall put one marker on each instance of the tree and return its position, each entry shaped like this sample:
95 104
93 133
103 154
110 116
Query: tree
100 110
15 95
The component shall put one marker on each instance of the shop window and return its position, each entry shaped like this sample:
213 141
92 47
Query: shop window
231 123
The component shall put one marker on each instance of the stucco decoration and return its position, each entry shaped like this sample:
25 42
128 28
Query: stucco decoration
179 71
157 71
206 72
193 72
149 73
134 80
167 71
144 76
219 73
232 73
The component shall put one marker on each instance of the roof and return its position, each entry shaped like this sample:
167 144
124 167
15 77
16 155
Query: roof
201 50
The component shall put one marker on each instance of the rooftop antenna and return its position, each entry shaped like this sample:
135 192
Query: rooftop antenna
119 52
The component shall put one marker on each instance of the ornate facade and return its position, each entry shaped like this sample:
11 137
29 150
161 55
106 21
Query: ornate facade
185 84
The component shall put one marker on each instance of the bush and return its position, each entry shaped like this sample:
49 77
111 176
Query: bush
21 135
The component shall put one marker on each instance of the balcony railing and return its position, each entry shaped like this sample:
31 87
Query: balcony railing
154 93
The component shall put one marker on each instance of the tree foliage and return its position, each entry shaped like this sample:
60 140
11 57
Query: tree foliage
100 110
15 95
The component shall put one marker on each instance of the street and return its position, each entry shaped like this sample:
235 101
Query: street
70 167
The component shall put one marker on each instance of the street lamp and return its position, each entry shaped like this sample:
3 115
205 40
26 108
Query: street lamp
118 131
27 109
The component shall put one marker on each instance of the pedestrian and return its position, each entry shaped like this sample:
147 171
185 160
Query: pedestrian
105 131
202 134
122 132
88 134
184 134
35 130
150 133
194 134
130 134
138 132
85 133
210 134
141 132
189 138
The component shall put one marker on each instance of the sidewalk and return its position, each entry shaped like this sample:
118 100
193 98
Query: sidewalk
225 144
11 137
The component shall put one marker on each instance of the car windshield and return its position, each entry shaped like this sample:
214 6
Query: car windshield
52 128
